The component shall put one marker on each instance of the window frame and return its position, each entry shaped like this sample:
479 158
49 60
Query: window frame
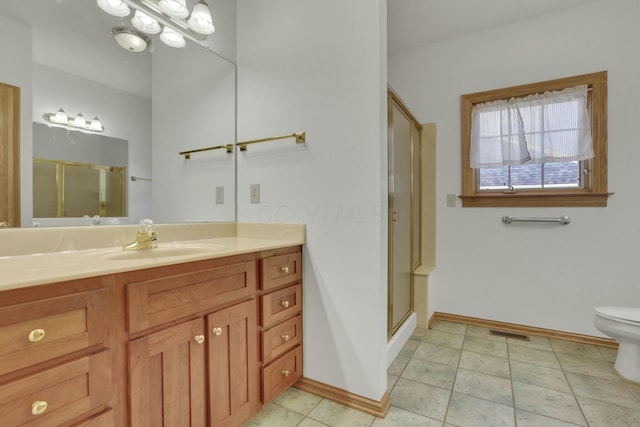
594 192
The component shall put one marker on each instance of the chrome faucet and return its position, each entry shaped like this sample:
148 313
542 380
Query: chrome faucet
145 238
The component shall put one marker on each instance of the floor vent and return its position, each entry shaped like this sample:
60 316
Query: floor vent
509 335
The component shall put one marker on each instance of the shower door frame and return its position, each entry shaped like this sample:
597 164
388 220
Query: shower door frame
414 226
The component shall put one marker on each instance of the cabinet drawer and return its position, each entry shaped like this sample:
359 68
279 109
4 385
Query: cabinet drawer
166 299
37 331
281 374
57 395
281 270
280 305
104 419
281 338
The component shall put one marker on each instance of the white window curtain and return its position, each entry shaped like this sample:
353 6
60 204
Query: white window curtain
541 128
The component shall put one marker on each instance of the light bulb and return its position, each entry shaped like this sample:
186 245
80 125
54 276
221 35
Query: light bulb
60 117
175 8
145 23
172 38
79 121
201 20
96 125
114 7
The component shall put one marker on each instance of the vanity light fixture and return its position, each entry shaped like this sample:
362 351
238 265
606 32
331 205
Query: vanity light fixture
170 18
78 122
114 7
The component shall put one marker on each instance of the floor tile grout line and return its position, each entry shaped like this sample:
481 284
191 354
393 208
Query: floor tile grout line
446 412
573 393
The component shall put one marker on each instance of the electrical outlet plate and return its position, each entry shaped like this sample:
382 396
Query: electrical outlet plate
254 193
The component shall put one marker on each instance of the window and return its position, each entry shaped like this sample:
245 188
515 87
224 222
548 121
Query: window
548 149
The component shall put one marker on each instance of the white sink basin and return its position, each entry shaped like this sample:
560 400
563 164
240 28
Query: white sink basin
159 252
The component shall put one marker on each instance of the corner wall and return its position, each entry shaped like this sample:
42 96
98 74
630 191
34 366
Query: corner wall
320 67
541 275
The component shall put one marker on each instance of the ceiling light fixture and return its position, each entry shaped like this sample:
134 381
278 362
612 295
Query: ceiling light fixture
130 39
114 7
60 118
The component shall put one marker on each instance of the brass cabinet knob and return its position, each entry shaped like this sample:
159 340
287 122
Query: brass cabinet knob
285 303
217 331
199 339
38 407
285 373
286 338
36 335
285 270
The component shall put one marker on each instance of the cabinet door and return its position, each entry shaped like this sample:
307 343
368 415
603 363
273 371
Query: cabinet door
233 365
167 374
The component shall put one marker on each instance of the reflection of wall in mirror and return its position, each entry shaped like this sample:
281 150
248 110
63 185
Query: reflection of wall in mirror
124 115
193 107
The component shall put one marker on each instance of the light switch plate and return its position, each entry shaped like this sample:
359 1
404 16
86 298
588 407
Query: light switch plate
254 193
220 195
451 200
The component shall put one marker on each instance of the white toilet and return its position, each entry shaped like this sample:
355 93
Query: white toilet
623 325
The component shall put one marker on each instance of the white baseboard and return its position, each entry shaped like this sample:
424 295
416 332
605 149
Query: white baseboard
400 338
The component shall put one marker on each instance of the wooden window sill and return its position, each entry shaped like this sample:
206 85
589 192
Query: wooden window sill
536 200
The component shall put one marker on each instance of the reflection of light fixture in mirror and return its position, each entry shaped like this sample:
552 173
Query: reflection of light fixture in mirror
172 38
201 20
145 23
175 8
114 7
78 122
130 39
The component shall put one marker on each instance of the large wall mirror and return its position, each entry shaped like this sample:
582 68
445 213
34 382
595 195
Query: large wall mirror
152 104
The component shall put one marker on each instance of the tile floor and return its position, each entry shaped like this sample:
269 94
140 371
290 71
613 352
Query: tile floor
460 375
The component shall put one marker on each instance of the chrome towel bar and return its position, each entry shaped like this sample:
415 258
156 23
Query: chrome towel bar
563 220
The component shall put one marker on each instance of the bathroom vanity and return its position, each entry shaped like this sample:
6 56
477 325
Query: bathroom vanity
206 335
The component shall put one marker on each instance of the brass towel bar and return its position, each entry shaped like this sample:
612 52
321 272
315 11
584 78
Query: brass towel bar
187 154
299 136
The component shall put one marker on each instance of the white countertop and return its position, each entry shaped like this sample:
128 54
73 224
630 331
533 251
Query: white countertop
17 271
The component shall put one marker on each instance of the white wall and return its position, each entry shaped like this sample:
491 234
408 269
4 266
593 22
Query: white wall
123 115
320 67
541 275
193 107
16 52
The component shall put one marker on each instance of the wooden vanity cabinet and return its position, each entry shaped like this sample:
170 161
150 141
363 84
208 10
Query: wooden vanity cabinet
56 359
204 343
280 299
198 372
